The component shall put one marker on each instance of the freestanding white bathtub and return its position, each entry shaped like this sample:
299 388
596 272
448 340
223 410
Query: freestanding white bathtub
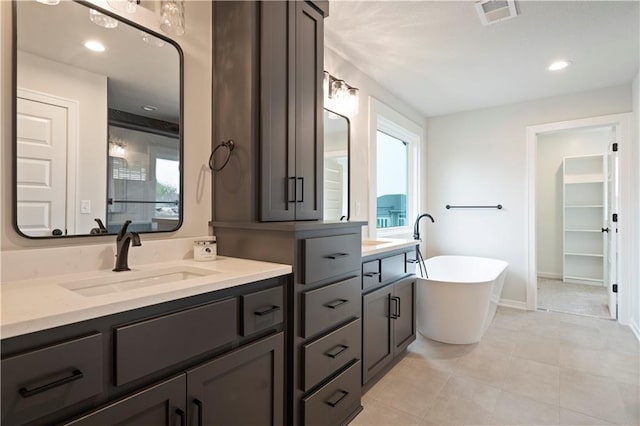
457 302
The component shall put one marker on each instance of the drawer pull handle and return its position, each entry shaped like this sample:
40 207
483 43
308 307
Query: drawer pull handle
336 255
267 311
412 260
338 350
371 274
75 375
336 303
183 420
337 397
199 406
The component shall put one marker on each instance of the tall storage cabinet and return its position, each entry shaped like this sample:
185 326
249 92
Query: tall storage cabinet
268 70
584 224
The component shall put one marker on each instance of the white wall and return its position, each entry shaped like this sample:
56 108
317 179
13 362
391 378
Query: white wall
196 46
635 273
360 191
552 147
89 90
479 157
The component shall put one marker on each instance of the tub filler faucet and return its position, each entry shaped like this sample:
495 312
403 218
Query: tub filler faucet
416 236
123 241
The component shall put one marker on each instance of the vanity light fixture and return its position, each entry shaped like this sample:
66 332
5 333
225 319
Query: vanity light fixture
129 6
116 148
559 65
94 46
172 17
152 40
102 20
149 108
339 96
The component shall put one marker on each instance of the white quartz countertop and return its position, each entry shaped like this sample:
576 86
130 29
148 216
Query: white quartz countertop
382 245
42 303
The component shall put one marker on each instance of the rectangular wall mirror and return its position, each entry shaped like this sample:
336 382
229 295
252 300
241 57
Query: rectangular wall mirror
336 166
98 125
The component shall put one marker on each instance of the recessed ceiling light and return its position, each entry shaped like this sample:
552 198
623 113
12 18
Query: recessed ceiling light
149 108
95 46
49 2
559 65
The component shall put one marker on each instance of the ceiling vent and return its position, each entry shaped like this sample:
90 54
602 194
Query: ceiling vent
492 11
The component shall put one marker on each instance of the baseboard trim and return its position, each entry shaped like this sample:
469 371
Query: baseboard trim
515 304
549 275
636 330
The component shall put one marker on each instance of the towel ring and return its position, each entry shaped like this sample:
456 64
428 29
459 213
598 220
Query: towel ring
225 144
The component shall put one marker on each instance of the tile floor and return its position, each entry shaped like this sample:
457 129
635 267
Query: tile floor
581 299
531 368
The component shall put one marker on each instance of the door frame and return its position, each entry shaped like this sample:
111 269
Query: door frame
627 223
72 214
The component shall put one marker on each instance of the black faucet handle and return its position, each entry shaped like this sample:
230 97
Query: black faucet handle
101 226
135 239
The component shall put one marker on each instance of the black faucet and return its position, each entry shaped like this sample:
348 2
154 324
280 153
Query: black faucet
416 228
100 229
123 240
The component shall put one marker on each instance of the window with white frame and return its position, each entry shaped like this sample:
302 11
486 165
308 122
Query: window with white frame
394 176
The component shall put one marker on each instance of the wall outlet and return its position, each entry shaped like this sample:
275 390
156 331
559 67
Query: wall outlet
85 206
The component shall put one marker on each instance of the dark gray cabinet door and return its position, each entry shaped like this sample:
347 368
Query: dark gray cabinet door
377 332
309 51
161 404
404 323
277 113
244 387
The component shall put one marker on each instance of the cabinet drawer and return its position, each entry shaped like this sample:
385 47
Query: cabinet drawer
43 381
327 257
330 305
393 267
261 310
151 345
333 403
370 274
330 353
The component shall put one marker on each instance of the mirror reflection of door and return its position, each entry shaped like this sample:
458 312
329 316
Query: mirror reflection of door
42 166
336 166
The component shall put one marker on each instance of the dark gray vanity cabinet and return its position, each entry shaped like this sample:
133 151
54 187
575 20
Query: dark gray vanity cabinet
324 343
243 388
161 404
218 356
268 73
388 311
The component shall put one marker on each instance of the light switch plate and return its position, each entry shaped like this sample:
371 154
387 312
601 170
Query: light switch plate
85 206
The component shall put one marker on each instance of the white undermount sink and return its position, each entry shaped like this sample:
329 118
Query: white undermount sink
130 280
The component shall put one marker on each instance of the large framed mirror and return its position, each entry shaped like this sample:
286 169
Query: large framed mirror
337 142
98 124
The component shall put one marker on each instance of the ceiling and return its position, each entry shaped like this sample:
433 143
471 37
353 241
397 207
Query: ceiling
439 58
138 73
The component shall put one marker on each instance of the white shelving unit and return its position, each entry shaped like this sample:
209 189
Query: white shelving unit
584 216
